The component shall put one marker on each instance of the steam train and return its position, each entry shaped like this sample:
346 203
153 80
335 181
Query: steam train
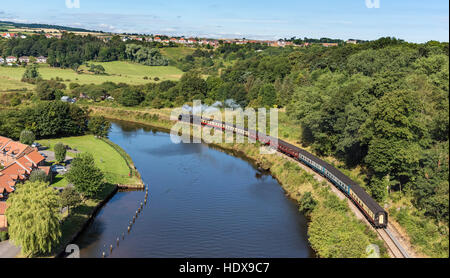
375 214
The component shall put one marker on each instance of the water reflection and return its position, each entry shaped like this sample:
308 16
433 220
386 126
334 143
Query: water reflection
202 203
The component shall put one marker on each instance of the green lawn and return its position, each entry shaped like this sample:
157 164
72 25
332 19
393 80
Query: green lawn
119 71
106 158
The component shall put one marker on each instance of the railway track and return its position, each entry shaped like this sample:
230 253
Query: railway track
394 246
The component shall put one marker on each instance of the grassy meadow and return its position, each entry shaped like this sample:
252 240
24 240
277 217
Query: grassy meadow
117 72
177 53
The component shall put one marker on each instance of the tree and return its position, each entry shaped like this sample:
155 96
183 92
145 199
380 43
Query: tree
38 176
99 126
70 198
55 119
193 85
34 218
130 97
268 95
31 74
49 89
85 176
145 55
60 152
27 137
97 69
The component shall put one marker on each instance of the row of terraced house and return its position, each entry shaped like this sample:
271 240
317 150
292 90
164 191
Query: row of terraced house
12 60
17 162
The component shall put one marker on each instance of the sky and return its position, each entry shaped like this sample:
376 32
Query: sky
411 20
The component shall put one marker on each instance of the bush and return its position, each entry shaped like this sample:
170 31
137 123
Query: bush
4 236
15 101
307 203
38 176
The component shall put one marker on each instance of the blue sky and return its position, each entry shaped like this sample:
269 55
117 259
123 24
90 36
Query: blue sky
411 20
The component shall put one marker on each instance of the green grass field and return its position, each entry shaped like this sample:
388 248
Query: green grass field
106 158
119 71
176 53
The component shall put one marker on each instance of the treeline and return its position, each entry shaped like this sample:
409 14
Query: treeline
309 40
71 50
383 105
45 120
43 26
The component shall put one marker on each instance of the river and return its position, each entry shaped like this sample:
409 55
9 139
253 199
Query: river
203 203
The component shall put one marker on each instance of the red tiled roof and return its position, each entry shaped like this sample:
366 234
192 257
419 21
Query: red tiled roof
35 156
46 169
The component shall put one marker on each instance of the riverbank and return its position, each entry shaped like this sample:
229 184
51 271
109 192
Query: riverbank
345 235
119 171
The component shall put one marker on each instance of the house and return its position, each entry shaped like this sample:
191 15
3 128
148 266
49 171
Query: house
24 59
157 39
9 35
48 36
329 44
41 60
11 59
2 61
18 161
351 42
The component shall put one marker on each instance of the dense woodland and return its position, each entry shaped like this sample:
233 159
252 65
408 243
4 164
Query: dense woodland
72 51
382 105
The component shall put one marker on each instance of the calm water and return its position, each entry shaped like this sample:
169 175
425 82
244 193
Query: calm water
202 203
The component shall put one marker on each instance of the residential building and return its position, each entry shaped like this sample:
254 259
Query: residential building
2 61
41 60
11 59
329 44
24 59
9 35
18 161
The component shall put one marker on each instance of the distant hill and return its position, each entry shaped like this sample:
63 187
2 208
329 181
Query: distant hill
43 26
